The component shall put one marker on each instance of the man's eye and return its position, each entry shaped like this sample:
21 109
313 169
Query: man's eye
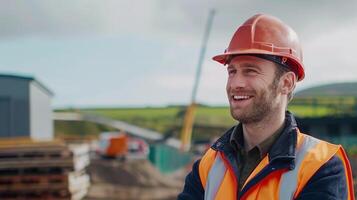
231 71
250 71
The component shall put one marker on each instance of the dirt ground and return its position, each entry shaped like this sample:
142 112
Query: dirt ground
135 179
140 180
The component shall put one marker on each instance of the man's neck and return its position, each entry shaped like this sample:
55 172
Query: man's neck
256 133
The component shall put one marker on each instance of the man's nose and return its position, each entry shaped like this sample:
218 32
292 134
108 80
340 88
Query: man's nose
238 82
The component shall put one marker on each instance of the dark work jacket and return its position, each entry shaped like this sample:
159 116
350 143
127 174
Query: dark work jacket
328 183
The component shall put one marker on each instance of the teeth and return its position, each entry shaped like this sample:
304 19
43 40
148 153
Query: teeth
236 97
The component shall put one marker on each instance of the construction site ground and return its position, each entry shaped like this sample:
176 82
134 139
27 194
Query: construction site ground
132 180
139 180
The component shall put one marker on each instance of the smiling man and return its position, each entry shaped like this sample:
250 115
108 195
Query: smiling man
266 156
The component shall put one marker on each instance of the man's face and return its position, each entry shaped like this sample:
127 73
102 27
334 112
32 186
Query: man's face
251 89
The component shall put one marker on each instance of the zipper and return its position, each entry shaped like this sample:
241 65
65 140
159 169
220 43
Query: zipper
260 176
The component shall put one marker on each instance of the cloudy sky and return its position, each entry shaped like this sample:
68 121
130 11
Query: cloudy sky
145 52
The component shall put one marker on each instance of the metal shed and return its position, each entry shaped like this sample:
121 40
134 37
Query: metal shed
25 108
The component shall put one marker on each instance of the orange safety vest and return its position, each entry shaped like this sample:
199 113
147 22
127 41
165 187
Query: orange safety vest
219 182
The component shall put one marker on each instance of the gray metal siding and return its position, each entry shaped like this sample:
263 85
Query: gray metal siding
5 116
17 92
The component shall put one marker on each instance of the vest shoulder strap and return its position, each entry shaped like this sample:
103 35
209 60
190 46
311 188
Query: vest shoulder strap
205 165
311 154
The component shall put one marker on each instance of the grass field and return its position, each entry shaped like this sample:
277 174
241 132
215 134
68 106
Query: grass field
159 119
310 111
209 120
162 117
79 129
169 119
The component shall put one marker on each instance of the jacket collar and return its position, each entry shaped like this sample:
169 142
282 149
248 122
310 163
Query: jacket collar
283 149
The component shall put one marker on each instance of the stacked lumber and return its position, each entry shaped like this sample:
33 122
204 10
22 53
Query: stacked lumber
43 170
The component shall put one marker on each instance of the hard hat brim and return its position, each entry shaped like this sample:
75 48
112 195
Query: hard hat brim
297 67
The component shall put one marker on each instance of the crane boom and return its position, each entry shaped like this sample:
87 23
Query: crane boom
186 132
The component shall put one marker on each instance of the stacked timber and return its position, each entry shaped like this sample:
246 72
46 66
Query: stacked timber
43 170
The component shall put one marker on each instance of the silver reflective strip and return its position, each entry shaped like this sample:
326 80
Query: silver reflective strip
288 181
215 177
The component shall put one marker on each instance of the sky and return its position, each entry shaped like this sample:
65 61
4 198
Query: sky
95 53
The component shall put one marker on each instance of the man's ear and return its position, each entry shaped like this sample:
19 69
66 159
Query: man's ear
288 82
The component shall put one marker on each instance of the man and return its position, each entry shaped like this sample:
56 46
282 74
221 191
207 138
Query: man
265 156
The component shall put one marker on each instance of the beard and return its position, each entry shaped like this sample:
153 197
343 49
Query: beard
262 106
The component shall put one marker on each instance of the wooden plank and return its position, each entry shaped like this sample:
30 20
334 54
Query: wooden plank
35 155
76 183
36 195
31 148
36 170
25 142
34 187
37 198
27 163
32 179
32 171
79 153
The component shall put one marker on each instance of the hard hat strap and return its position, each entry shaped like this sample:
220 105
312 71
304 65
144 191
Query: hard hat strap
277 59
282 61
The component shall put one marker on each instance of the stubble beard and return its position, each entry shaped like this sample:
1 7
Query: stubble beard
263 106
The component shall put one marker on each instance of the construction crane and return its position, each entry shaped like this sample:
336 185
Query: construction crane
186 133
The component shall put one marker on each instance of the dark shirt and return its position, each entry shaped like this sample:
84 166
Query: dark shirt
248 161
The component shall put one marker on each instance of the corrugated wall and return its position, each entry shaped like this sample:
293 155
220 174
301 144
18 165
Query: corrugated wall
14 107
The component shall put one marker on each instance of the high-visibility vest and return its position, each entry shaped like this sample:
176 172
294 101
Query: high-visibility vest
218 179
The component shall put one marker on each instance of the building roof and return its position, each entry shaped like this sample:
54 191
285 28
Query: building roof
29 79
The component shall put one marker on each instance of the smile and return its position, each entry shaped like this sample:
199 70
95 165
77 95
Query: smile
241 97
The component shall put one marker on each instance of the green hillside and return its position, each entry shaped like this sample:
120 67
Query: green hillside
348 89
331 99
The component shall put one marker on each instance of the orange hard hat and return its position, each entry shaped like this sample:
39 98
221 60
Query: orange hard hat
266 35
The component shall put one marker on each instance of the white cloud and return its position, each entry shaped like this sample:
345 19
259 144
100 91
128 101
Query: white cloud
212 89
158 17
326 29
330 57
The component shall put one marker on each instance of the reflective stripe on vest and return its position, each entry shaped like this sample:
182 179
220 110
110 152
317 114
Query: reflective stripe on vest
215 178
289 180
